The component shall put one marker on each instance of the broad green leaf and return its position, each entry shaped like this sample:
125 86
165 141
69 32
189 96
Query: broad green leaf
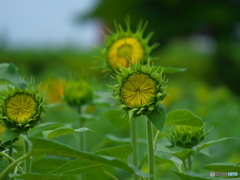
170 70
162 159
9 135
184 154
44 146
223 167
37 130
209 143
9 72
115 117
76 166
193 176
121 152
38 158
61 131
81 164
166 160
35 176
157 116
47 165
111 138
182 117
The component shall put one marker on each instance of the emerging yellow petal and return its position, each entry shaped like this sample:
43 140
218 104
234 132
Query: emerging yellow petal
21 107
138 90
125 51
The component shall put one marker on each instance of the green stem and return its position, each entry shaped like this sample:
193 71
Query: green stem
155 139
82 136
189 163
151 158
26 151
134 136
11 159
14 163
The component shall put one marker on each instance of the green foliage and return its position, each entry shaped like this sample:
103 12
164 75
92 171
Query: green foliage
223 167
61 131
9 72
41 146
193 176
182 117
157 116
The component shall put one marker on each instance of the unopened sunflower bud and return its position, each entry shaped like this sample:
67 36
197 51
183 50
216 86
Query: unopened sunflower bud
125 47
21 109
77 93
139 89
185 136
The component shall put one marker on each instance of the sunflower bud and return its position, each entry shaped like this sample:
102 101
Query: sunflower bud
185 136
139 89
77 93
21 109
125 47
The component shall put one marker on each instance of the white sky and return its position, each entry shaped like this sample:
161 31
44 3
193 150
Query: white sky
30 23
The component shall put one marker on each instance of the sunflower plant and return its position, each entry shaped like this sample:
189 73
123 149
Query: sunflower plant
139 91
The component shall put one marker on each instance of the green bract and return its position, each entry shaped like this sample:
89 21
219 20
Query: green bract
139 89
123 47
185 136
21 109
77 93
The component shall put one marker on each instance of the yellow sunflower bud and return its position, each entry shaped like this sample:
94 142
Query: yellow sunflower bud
125 47
139 89
185 136
77 93
21 109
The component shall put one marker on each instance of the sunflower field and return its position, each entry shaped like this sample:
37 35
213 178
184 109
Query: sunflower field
139 106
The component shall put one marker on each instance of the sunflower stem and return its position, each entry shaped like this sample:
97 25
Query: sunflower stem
134 137
10 153
81 138
12 165
82 135
26 151
151 158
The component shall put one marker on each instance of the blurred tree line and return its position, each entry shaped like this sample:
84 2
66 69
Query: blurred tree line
218 20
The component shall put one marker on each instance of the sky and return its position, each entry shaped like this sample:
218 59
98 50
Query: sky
29 23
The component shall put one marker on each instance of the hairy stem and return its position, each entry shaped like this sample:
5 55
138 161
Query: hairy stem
134 137
26 151
151 158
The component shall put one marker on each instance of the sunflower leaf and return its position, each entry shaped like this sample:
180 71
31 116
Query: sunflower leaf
183 117
157 116
9 135
9 72
61 131
45 146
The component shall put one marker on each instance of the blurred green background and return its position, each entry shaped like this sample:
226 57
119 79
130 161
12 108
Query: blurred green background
202 36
